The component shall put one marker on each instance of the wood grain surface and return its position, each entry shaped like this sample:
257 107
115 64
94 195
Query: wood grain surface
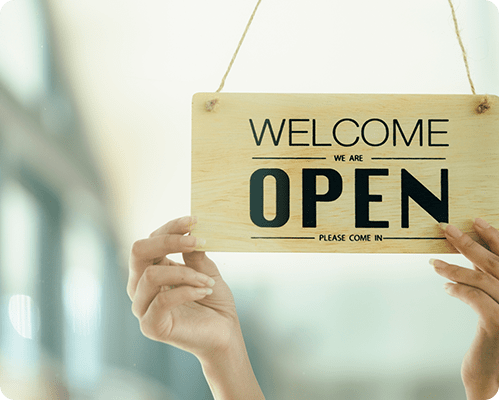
376 172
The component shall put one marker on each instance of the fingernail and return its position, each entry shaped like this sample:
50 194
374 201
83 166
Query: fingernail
204 291
437 264
481 223
189 241
443 225
207 280
448 286
211 282
453 231
200 242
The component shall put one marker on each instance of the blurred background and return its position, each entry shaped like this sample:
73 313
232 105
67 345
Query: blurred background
95 154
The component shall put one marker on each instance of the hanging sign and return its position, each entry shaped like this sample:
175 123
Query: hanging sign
341 173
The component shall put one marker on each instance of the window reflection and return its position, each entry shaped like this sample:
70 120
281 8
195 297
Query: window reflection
24 315
19 230
82 291
23 67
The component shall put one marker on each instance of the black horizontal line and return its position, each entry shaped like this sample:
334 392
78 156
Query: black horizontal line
289 158
298 238
412 238
408 158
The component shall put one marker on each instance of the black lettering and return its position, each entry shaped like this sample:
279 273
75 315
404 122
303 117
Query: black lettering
336 138
363 198
363 132
314 142
419 125
282 198
431 132
291 131
265 125
310 196
411 187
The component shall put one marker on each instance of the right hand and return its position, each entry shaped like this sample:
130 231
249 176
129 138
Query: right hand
173 302
479 288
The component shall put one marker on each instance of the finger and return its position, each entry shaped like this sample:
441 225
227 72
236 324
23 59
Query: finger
166 261
489 234
179 226
157 247
480 280
483 258
201 263
156 322
153 250
477 268
156 277
486 308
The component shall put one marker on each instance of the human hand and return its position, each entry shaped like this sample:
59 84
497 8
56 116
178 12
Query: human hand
186 305
479 288
190 306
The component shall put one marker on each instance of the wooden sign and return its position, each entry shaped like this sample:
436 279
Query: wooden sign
341 173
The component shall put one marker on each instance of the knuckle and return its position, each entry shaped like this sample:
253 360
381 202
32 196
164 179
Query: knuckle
468 242
479 278
489 264
472 293
493 262
147 329
454 273
150 274
138 248
134 310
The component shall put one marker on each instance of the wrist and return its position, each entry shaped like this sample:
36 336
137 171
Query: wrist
229 373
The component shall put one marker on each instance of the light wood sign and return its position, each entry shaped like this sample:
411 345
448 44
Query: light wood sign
341 173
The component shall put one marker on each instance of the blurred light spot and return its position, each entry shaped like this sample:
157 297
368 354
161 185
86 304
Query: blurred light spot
20 227
24 315
82 293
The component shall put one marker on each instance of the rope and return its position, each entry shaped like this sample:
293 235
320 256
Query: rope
465 58
238 47
481 108
484 104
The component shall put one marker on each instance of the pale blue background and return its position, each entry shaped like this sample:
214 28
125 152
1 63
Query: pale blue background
95 153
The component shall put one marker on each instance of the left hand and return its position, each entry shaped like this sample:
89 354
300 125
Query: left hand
190 315
479 288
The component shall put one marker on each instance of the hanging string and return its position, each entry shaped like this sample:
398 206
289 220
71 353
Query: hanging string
238 47
210 105
465 58
481 108
484 104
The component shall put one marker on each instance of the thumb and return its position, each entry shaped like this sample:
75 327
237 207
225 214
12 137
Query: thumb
199 261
